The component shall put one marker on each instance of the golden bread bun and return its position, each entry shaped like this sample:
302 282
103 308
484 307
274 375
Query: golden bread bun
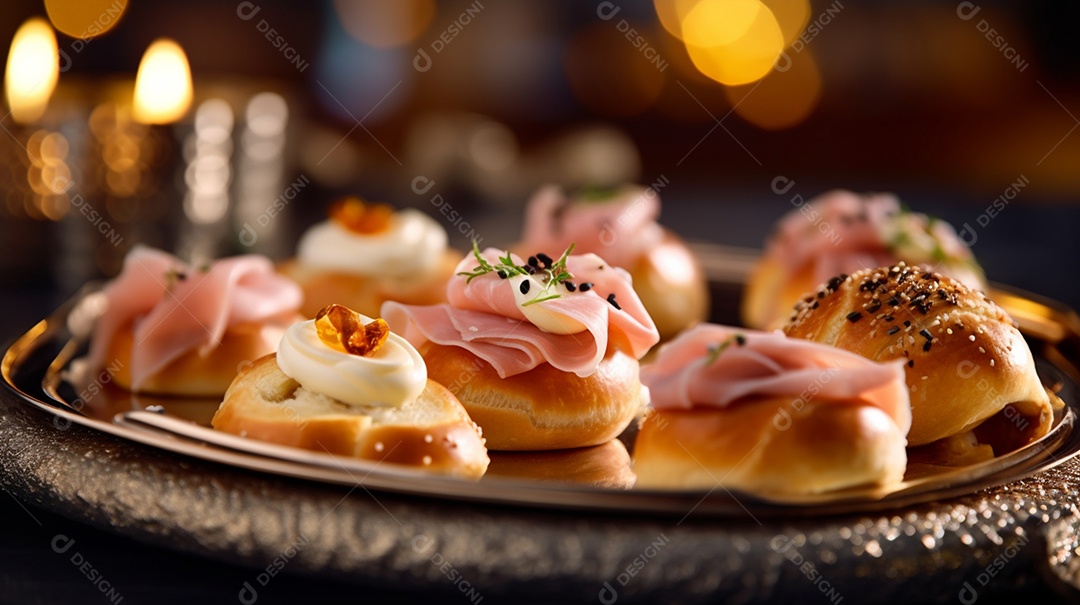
606 465
672 286
365 293
432 433
544 408
764 445
968 367
771 293
191 374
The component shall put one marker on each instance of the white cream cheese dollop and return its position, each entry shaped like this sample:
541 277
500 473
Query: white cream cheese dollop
394 375
539 315
414 243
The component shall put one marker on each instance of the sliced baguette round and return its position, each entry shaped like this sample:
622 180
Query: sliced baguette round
544 408
765 445
433 433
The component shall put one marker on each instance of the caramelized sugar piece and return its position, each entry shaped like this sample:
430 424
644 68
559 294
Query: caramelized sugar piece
360 217
340 328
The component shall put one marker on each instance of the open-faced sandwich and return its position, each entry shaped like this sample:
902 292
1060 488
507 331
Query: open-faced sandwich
344 384
974 390
170 328
768 414
368 253
543 352
843 232
620 225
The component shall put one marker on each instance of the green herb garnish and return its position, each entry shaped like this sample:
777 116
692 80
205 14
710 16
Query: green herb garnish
549 274
716 348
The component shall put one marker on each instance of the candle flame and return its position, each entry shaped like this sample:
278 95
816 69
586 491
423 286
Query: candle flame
33 67
163 88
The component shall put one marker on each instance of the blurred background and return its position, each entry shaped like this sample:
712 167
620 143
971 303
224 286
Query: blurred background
730 109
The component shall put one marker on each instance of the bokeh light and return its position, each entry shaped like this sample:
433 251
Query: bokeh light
385 24
750 41
783 98
85 19
163 89
33 67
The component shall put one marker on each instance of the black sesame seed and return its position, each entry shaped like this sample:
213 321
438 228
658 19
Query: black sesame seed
585 287
570 287
907 324
911 363
854 316
874 306
888 318
545 259
815 305
893 330
926 347
533 262
894 301
501 274
524 286
925 334
740 339
614 303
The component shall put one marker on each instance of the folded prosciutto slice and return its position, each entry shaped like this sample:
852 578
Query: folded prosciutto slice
484 316
175 308
620 225
719 366
840 232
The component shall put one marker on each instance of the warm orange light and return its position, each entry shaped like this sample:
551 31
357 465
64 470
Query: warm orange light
720 22
163 85
385 24
85 18
742 60
33 67
672 13
784 98
791 15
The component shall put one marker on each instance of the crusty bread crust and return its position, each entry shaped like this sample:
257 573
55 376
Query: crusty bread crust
432 433
966 361
544 408
671 284
767 446
771 293
606 465
191 374
366 294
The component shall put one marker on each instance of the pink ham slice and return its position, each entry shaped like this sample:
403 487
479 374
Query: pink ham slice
483 317
619 228
685 375
178 308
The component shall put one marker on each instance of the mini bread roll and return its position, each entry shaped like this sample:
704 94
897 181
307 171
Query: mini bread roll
367 293
766 446
967 366
433 433
671 284
543 408
606 465
192 374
